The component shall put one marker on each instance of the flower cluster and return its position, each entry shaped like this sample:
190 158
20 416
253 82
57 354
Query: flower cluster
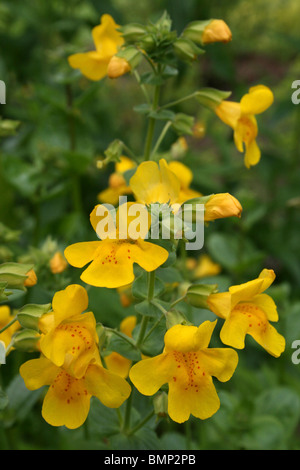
73 362
70 362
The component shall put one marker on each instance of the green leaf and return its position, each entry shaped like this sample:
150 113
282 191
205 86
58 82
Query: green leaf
148 309
281 402
122 346
140 287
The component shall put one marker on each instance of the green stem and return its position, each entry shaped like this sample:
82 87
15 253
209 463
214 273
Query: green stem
144 322
141 424
127 415
142 331
153 327
180 299
160 307
180 100
160 139
151 124
151 285
143 88
8 324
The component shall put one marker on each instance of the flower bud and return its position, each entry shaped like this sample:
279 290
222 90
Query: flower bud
160 403
222 205
117 67
58 263
216 31
31 279
132 32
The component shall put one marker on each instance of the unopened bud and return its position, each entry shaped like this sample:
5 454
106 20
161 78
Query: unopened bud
58 263
117 67
160 403
31 279
216 31
222 205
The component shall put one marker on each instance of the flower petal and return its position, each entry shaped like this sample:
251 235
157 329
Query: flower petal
257 100
150 374
185 338
234 330
229 112
220 304
106 37
148 255
111 389
90 64
267 304
252 154
113 267
67 402
79 254
219 362
118 364
69 302
202 402
38 372
269 339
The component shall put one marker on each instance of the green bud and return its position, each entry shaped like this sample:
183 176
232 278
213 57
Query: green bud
133 32
160 402
29 315
26 340
197 294
186 49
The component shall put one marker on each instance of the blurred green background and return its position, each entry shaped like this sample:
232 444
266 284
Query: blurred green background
49 184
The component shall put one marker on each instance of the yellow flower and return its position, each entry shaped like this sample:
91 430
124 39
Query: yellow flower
216 31
241 117
69 337
222 205
5 318
153 183
112 258
117 185
107 40
67 401
58 263
115 362
162 183
31 279
246 310
206 267
185 176
187 365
